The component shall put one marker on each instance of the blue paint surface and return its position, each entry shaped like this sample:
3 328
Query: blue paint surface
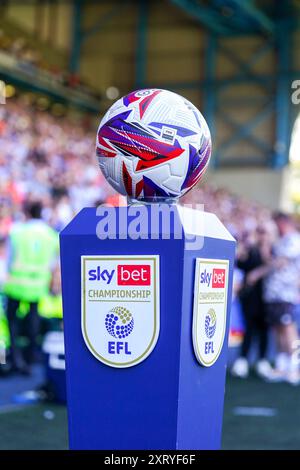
166 402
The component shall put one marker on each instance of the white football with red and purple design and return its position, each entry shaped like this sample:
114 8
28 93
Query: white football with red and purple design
153 144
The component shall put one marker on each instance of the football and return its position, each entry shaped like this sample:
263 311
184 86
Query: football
153 144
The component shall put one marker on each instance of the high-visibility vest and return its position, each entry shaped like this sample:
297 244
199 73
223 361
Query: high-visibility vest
51 306
34 246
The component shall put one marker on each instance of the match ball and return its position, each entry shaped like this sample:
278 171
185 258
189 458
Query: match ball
152 145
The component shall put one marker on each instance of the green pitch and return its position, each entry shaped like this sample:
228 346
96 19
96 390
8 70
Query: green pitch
261 416
34 427
256 416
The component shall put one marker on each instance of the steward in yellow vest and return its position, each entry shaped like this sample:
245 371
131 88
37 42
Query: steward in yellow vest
32 252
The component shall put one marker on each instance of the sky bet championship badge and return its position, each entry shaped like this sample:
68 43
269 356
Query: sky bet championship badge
120 307
210 307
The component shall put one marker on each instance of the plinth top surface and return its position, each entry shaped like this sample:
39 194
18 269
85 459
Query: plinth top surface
193 222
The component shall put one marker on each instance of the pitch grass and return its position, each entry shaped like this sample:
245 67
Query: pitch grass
281 431
28 428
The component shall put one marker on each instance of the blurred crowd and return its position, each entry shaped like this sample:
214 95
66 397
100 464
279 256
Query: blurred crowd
45 158
52 161
266 291
48 172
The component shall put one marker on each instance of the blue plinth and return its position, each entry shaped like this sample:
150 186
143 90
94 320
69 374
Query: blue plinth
168 401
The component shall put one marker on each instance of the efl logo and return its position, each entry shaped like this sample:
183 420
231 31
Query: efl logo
134 275
218 279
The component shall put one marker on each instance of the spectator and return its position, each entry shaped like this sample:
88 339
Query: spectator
253 306
281 293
